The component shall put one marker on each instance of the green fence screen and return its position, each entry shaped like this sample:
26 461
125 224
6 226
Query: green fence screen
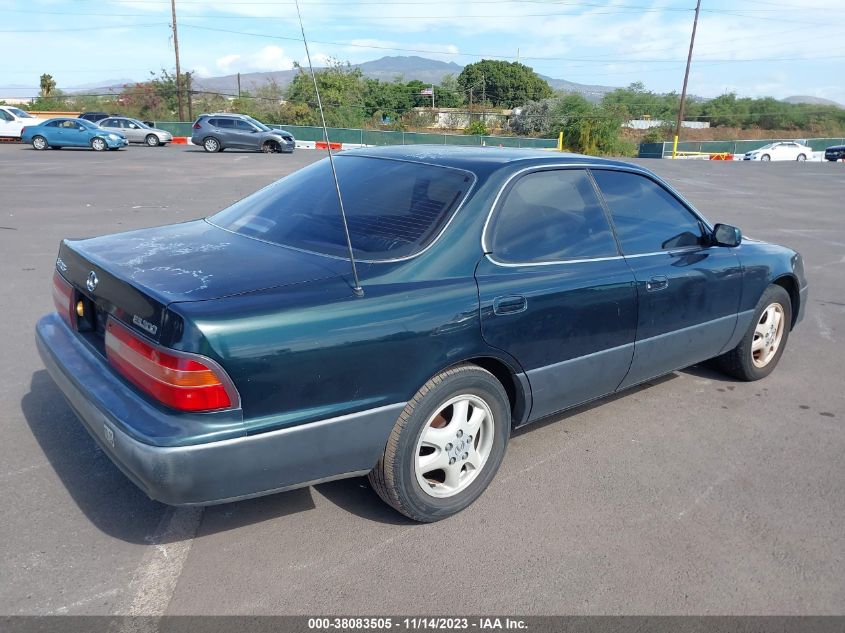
662 150
385 137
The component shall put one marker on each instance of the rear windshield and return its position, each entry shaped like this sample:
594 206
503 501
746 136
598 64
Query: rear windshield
393 208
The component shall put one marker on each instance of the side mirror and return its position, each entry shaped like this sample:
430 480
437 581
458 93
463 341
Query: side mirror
726 235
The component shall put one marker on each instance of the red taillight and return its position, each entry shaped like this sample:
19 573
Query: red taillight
181 381
197 125
63 298
23 131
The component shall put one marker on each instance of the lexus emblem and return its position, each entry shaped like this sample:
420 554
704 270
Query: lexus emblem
92 281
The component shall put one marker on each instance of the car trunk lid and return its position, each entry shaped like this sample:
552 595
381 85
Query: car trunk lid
134 276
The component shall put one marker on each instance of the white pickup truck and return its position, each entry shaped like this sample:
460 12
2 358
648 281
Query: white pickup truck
13 120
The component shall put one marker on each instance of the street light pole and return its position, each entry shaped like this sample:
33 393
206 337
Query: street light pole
686 79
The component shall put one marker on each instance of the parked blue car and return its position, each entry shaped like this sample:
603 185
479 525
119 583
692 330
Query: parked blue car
231 357
69 132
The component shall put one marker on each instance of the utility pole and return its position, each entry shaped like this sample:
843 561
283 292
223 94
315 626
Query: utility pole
432 96
239 85
686 79
178 68
470 104
189 89
483 97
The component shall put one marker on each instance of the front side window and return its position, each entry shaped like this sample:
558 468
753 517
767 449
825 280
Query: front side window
647 217
244 126
393 208
226 123
551 216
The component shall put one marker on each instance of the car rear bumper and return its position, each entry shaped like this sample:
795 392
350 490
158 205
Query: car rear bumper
209 472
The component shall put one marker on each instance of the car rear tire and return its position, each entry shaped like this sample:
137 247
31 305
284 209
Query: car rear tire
765 158
761 347
446 446
152 140
211 145
801 158
39 143
98 144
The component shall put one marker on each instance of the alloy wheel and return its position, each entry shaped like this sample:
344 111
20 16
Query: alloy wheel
454 446
768 335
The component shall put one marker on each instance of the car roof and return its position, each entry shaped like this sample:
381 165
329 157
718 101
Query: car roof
232 114
473 158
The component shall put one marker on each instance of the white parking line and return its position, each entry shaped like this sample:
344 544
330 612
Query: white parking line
154 581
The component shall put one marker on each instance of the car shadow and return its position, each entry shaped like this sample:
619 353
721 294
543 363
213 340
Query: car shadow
106 497
708 371
119 508
356 496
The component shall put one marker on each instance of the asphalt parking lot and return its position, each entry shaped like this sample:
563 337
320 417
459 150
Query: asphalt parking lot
695 494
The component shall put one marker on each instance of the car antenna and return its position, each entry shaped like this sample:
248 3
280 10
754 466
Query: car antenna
358 290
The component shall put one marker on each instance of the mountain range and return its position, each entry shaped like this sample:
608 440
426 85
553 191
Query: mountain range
385 69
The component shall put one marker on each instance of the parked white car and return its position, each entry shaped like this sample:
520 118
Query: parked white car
782 150
13 120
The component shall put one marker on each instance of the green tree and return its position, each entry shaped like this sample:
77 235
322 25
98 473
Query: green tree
448 93
534 118
503 84
341 90
48 85
476 127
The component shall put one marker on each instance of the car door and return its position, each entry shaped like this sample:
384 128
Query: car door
133 132
7 127
63 133
687 289
555 293
226 132
245 135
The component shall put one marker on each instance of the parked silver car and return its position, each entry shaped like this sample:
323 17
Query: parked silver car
216 132
137 131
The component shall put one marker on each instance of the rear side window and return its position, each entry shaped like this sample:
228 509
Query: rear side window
6 116
551 216
225 123
393 208
648 218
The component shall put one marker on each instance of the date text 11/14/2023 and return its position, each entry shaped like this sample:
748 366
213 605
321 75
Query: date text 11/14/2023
417 623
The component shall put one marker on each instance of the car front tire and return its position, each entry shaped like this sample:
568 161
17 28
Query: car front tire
446 446
760 349
152 140
765 158
98 144
801 158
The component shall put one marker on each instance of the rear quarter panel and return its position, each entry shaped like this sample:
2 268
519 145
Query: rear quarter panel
315 351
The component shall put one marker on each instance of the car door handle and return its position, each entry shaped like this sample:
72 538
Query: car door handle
658 282
511 304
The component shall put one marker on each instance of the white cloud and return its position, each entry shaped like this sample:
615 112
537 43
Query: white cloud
269 58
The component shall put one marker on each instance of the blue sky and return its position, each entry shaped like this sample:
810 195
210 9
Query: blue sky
755 48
